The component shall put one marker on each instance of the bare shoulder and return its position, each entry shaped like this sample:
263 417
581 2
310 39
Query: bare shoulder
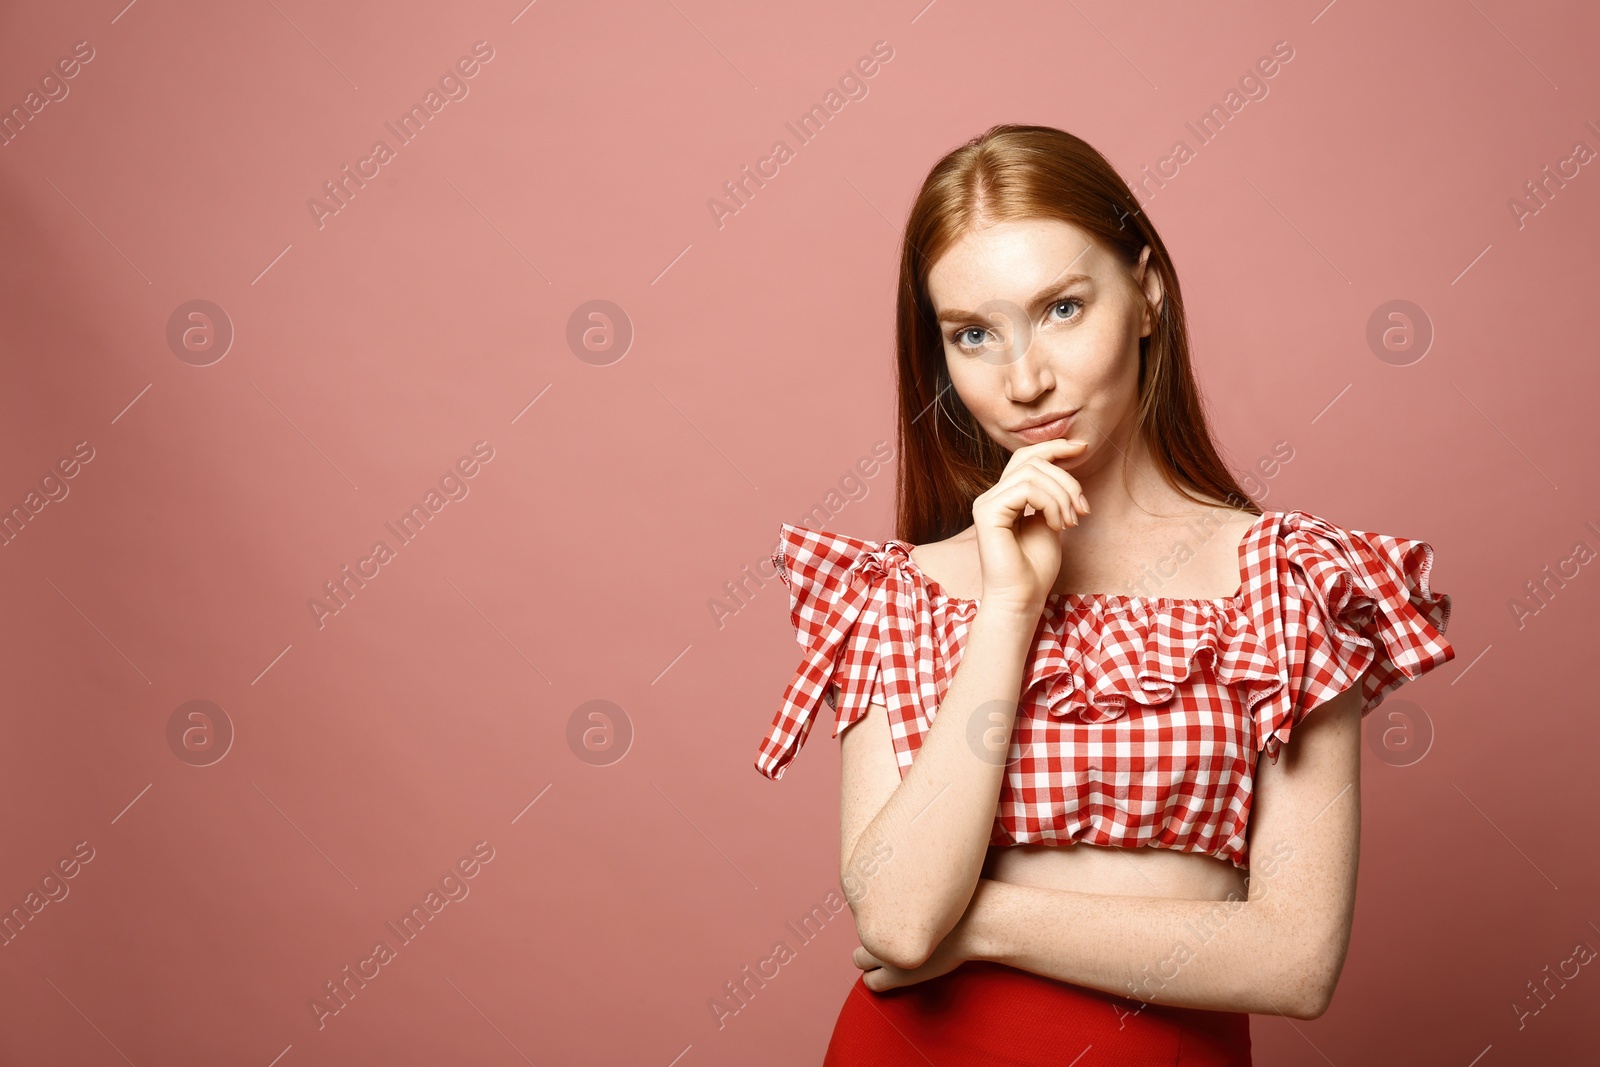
1235 522
952 564
1227 528
1217 517
1213 511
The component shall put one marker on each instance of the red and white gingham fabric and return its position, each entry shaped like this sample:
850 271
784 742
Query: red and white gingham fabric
1141 717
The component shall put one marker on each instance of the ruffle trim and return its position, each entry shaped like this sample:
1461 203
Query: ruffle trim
1369 615
1127 650
1318 608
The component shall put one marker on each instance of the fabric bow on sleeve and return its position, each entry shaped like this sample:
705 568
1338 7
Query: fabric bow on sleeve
831 580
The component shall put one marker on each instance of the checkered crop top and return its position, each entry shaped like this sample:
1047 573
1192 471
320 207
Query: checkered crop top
1140 717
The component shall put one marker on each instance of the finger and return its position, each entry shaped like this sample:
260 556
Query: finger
1056 449
1060 507
1044 494
1050 451
1052 479
1054 445
1067 482
1061 488
1015 494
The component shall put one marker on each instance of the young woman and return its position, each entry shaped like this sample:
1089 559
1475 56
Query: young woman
1052 688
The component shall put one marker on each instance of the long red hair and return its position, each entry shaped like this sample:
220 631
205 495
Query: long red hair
1015 172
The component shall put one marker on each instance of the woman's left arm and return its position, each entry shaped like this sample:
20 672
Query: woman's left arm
1277 952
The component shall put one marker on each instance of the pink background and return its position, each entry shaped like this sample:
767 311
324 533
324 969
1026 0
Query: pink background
370 753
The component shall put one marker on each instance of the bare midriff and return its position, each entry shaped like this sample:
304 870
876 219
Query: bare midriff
1135 872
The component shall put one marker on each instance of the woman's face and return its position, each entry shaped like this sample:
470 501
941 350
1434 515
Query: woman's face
1038 320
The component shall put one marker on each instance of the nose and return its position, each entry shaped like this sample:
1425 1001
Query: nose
1028 373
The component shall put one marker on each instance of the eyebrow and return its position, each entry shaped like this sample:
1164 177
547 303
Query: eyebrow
959 314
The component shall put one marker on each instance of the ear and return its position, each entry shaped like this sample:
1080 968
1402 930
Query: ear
1150 281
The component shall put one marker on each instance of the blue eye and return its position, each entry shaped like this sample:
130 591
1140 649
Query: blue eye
1069 300
957 337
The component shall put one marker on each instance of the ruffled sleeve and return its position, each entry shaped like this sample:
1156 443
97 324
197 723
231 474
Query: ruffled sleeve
1351 605
836 590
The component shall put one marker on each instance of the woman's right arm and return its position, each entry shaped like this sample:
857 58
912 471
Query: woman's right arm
913 848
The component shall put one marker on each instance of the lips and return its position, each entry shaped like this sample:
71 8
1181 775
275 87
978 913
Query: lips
1046 431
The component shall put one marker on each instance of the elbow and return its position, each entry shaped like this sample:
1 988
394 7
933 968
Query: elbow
1307 988
893 939
901 928
903 955
1308 1000
898 947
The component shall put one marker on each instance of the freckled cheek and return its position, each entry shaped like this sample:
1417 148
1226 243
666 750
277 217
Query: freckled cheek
976 383
1090 366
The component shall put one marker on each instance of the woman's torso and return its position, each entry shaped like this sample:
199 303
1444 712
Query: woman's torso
1091 567
1141 872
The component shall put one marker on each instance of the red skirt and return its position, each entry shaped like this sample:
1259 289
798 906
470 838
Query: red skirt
985 1013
